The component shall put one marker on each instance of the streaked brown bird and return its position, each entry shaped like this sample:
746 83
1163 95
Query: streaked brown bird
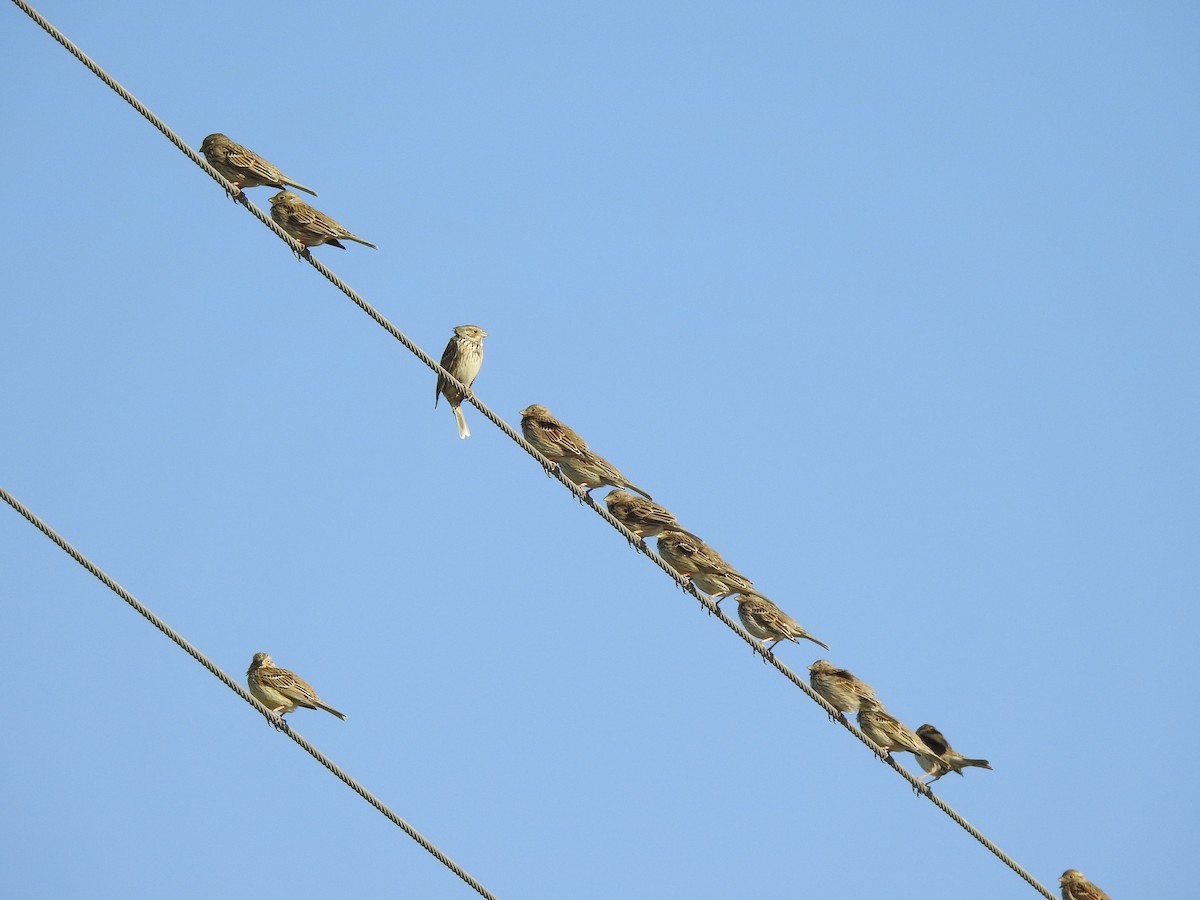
549 436
767 622
886 730
462 358
561 444
281 691
844 692
309 226
643 517
703 565
1076 887
944 757
244 168
590 470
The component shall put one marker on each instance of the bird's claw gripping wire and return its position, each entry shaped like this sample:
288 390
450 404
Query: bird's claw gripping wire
278 722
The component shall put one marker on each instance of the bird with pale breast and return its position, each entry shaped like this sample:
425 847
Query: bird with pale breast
767 622
309 226
702 565
944 758
243 167
643 517
462 358
280 690
1076 887
887 731
839 687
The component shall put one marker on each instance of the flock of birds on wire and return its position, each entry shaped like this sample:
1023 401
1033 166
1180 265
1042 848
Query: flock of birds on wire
282 691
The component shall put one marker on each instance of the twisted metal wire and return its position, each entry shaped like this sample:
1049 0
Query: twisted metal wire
275 721
550 468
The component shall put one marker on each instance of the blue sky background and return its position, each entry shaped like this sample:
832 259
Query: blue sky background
897 307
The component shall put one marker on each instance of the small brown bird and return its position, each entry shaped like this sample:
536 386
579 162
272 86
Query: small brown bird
684 553
767 622
309 226
462 358
643 517
886 730
844 692
696 560
590 470
279 690
944 758
550 437
244 168
1076 887
561 444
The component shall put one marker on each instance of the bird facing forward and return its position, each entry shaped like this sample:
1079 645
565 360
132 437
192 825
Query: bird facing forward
1076 887
462 358
768 622
281 691
946 759
309 226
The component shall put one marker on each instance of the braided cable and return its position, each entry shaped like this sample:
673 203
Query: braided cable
551 469
276 721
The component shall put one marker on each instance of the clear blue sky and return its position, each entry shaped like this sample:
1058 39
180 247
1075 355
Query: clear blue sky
897 307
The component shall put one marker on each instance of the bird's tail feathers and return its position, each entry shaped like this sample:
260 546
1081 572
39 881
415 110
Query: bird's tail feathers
980 763
301 187
330 710
805 634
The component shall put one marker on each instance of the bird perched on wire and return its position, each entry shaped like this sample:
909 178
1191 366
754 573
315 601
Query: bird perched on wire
561 444
550 437
281 691
643 517
844 692
944 758
704 566
462 358
590 470
887 731
244 168
309 226
1076 887
767 622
